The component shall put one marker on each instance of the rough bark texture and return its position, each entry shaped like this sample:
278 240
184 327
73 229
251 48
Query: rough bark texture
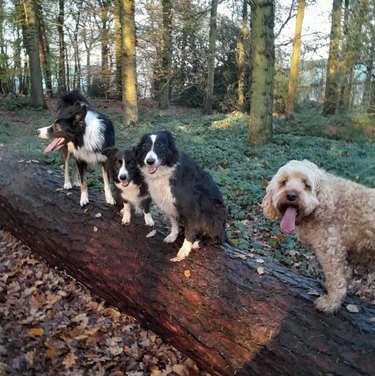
294 67
224 315
263 72
129 65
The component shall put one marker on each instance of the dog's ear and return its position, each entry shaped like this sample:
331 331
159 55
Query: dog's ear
267 204
110 152
79 116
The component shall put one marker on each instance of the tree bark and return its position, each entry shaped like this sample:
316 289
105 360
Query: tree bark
214 306
262 72
32 47
166 61
330 97
207 104
241 59
129 63
61 81
293 73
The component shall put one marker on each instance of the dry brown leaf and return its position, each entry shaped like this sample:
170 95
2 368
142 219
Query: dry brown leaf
69 360
241 256
36 332
30 356
95 229
187 273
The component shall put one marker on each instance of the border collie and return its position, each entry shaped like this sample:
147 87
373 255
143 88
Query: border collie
124 171
182 190
85 133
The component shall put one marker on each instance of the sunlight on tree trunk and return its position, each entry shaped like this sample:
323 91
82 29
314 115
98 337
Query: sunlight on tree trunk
166 62
129 75
263 72
32 38
241 59
330 98
368 100
118 55
62 60
207 105
294 68
104 41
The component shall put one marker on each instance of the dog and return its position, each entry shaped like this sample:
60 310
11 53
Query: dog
83 133
335 216
182 190
131 185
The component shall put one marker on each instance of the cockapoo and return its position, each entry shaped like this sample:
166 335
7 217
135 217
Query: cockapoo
335 216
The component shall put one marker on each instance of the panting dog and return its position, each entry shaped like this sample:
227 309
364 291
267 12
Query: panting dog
85 134
182 190
130 183
335 216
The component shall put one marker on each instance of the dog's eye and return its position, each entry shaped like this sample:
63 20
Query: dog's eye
119 162
144 145
307 186
282 183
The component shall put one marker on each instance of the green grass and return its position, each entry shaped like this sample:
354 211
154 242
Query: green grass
218 143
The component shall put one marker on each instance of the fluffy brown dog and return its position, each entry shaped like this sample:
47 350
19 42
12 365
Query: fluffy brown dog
335 216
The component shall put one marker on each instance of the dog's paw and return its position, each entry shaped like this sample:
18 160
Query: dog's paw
171 238
68 185
84 199
110 200
326 304
148 219
76 183
125 221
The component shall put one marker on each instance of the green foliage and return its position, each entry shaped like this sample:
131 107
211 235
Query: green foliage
218 143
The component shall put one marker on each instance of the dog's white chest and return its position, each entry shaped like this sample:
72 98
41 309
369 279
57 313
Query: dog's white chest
160 192
130 193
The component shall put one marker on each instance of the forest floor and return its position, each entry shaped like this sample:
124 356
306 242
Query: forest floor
75 343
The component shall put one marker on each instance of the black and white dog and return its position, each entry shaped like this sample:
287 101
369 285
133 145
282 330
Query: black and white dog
85 134
125 173
182 190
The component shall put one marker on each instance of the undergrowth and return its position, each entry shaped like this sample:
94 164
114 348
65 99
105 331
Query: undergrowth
218 143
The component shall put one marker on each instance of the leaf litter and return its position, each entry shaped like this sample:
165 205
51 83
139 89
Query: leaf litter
52 325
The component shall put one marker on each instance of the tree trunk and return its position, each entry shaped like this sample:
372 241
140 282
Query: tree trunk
61 80
330 98
241 59
104 41
118 41
32 44
166 61
368 100
293 73
207 104
214 306
129 68
263 72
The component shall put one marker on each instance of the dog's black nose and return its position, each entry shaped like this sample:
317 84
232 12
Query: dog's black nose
150 161
123 177
291 196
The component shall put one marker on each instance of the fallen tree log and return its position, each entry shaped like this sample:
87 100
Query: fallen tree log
214 306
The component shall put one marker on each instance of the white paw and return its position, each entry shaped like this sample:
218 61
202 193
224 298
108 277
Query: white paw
84 199
76 183
170 238
183 252
326 304
67 185
125 221
110 200
148 219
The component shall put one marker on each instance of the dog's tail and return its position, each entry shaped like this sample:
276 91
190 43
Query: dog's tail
70 99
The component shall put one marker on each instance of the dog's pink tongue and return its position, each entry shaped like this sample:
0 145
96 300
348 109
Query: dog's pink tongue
288 222
151 169
52 145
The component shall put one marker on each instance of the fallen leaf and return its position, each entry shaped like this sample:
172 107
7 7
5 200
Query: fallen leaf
241 256
98 215
30 356
313 292
259 261
69 360
36 332
260 271
95 229
352 308
151 234
187 273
